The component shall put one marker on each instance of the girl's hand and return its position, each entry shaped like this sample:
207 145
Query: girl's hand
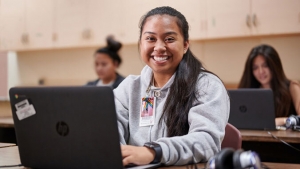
280 121
137 155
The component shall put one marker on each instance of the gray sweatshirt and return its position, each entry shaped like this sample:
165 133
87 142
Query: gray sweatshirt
207 118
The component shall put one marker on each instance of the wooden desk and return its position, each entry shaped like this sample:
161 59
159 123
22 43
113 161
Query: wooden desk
7 130
288 136
10 156
269 165
6 145
268 148
271 149
6 122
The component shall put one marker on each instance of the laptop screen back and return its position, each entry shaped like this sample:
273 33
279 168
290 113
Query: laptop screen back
66 127
252 109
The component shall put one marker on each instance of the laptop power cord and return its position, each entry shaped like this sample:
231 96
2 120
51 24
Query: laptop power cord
276 138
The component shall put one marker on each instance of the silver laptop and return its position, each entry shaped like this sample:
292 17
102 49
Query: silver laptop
252 109
66 127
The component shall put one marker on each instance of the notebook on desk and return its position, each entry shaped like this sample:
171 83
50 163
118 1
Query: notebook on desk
252 109
66 127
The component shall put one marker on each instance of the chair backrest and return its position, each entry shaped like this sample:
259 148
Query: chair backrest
232 138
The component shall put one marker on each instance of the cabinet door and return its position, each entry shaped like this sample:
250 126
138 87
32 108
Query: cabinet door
105 19
12 24
70 20
26 24
276 16
228 18
195 13
132 12
39 24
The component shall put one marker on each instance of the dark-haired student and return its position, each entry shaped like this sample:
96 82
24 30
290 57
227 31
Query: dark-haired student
107 60
175 112
263 69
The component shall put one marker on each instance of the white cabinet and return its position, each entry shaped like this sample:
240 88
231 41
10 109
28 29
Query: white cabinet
133 10
70 20
12 24
235 18
228 18
195 13
39 24
35 24
47 24
130 15
104 18
25 24
276 16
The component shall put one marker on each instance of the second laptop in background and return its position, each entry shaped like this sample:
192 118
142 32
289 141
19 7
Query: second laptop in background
252 109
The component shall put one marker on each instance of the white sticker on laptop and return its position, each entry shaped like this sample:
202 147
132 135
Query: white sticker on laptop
24 109
22 104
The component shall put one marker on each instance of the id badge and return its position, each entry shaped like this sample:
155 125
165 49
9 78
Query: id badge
147 113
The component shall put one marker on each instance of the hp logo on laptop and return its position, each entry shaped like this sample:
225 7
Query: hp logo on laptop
62 128
243 109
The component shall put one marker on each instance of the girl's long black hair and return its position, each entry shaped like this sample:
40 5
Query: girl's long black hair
279 82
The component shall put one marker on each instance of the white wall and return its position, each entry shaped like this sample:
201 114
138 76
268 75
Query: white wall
225 57
70 66
3 74
13 69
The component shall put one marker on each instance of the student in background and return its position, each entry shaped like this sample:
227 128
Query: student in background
263 69
175 106
107 60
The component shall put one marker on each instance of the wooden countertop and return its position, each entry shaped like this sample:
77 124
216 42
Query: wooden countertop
269 165
247 135
263 136
2 145
6 122
10 156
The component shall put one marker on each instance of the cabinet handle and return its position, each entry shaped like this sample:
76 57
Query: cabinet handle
248 21
25 38
86 34
54 36
254 20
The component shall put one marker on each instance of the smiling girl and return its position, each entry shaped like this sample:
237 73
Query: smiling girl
189 105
